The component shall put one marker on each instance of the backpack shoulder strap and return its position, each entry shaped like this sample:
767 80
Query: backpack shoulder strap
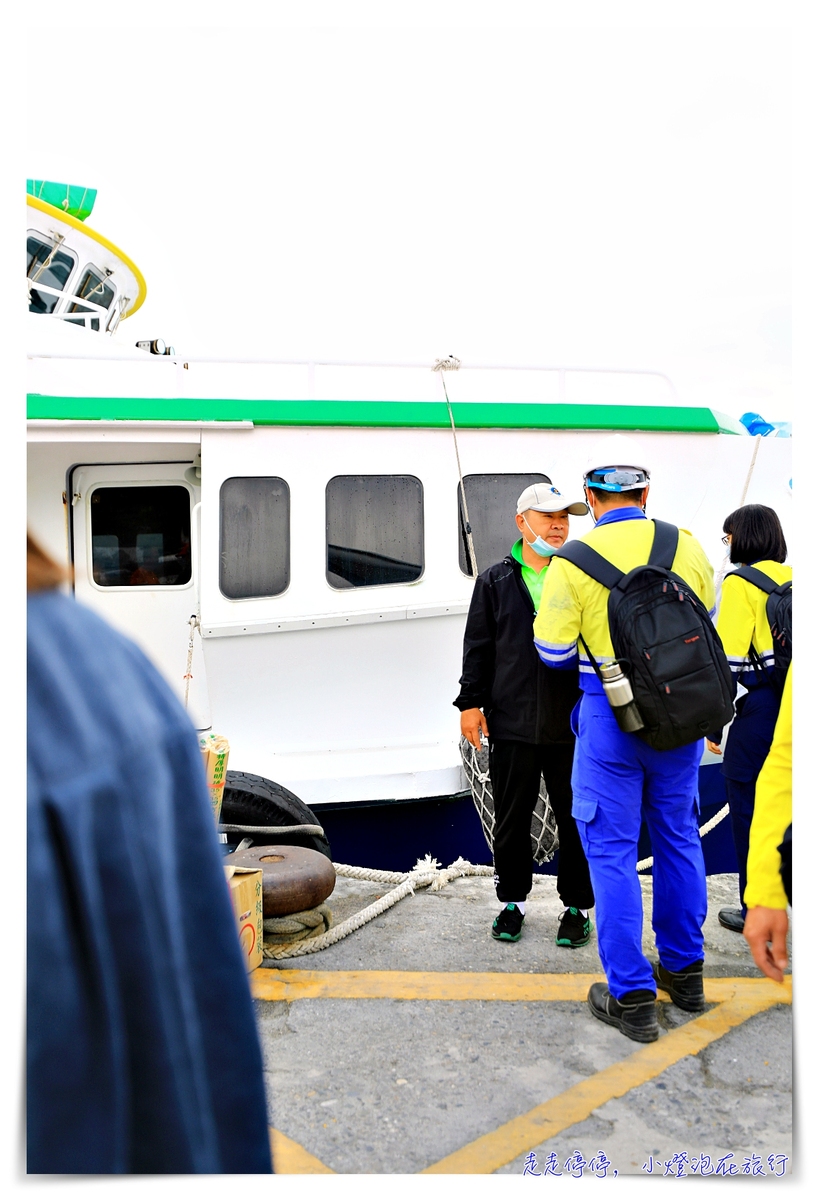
665 543
757 578
588 560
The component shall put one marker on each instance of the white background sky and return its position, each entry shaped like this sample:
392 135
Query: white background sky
600 183
568 196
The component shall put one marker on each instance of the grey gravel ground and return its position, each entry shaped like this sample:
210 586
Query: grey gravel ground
392 1086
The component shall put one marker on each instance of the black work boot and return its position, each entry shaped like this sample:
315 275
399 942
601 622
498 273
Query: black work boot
634 1014
732 918
685 987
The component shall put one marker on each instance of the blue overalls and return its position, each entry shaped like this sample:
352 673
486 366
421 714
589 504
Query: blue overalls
616 778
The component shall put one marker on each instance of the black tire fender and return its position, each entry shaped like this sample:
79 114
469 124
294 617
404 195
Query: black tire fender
255 800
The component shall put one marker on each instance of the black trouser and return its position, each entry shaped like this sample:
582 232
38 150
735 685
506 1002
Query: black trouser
515 769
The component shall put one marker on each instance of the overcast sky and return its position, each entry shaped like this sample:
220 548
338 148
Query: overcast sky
564 197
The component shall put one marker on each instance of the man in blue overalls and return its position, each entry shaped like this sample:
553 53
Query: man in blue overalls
617 778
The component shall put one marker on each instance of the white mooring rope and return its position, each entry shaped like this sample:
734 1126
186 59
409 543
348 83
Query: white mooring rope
311 931
299 933
427 872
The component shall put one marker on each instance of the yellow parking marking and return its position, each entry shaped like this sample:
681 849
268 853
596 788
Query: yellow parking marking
503 1145
271 984
290 1158
736 1000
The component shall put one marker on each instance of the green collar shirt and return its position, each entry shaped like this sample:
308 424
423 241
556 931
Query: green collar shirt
532 579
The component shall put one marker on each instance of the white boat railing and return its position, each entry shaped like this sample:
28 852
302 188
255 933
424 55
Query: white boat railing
85 311
560 371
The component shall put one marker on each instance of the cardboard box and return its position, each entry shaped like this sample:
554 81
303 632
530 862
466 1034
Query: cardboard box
245 892
215 750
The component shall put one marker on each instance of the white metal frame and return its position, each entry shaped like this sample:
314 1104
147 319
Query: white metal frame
98 312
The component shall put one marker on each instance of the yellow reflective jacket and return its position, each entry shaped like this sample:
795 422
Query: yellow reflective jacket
772 813
572 603
742 619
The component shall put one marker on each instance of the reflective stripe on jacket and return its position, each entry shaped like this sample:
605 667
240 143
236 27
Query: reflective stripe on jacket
742 621
572 603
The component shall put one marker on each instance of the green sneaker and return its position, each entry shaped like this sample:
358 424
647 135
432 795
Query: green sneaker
508 926
574 930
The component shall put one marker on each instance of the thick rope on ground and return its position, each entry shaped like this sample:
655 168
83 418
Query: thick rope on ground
370 874
312 922
427 872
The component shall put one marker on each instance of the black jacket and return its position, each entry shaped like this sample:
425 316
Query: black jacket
523 700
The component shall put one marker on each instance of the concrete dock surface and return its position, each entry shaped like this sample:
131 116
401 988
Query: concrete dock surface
419 1044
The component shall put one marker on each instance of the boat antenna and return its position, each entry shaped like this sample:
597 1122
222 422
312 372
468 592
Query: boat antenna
450 363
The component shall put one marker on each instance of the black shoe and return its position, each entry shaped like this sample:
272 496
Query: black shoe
574 930
685 987
634 1015
732 918
508 926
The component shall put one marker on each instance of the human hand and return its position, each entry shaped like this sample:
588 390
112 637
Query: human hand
765 930
472 724
712 746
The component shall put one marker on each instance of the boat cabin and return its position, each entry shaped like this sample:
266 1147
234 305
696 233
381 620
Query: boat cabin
303 523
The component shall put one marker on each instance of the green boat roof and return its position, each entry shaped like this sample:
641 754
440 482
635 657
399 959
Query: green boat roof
70 198
386 414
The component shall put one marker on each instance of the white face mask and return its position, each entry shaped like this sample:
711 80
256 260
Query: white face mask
540 546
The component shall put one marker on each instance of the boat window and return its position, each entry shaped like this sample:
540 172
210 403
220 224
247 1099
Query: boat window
254 537
49 267
140 536
492 504
374 530
93 287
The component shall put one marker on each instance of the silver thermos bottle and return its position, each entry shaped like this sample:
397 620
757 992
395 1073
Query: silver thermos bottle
618 689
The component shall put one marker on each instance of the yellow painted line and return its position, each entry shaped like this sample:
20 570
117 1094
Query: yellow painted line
290 1158
271 984
503 1145
57 213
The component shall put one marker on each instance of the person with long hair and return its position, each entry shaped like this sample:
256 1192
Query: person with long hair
755 538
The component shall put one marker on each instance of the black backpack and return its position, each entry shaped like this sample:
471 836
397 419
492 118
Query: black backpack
779 615
664 638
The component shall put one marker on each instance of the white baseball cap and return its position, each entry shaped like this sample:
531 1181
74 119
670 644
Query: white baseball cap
544 497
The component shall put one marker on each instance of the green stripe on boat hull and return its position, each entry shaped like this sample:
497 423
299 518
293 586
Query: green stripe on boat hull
385 413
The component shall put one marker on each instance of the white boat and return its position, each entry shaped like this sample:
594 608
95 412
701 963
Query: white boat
302 523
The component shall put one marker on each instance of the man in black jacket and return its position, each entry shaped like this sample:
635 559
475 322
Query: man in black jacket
505 688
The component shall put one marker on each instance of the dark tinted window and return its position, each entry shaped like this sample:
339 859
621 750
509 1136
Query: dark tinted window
94 288
45 265
254 537
140 536
374 530
492 504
